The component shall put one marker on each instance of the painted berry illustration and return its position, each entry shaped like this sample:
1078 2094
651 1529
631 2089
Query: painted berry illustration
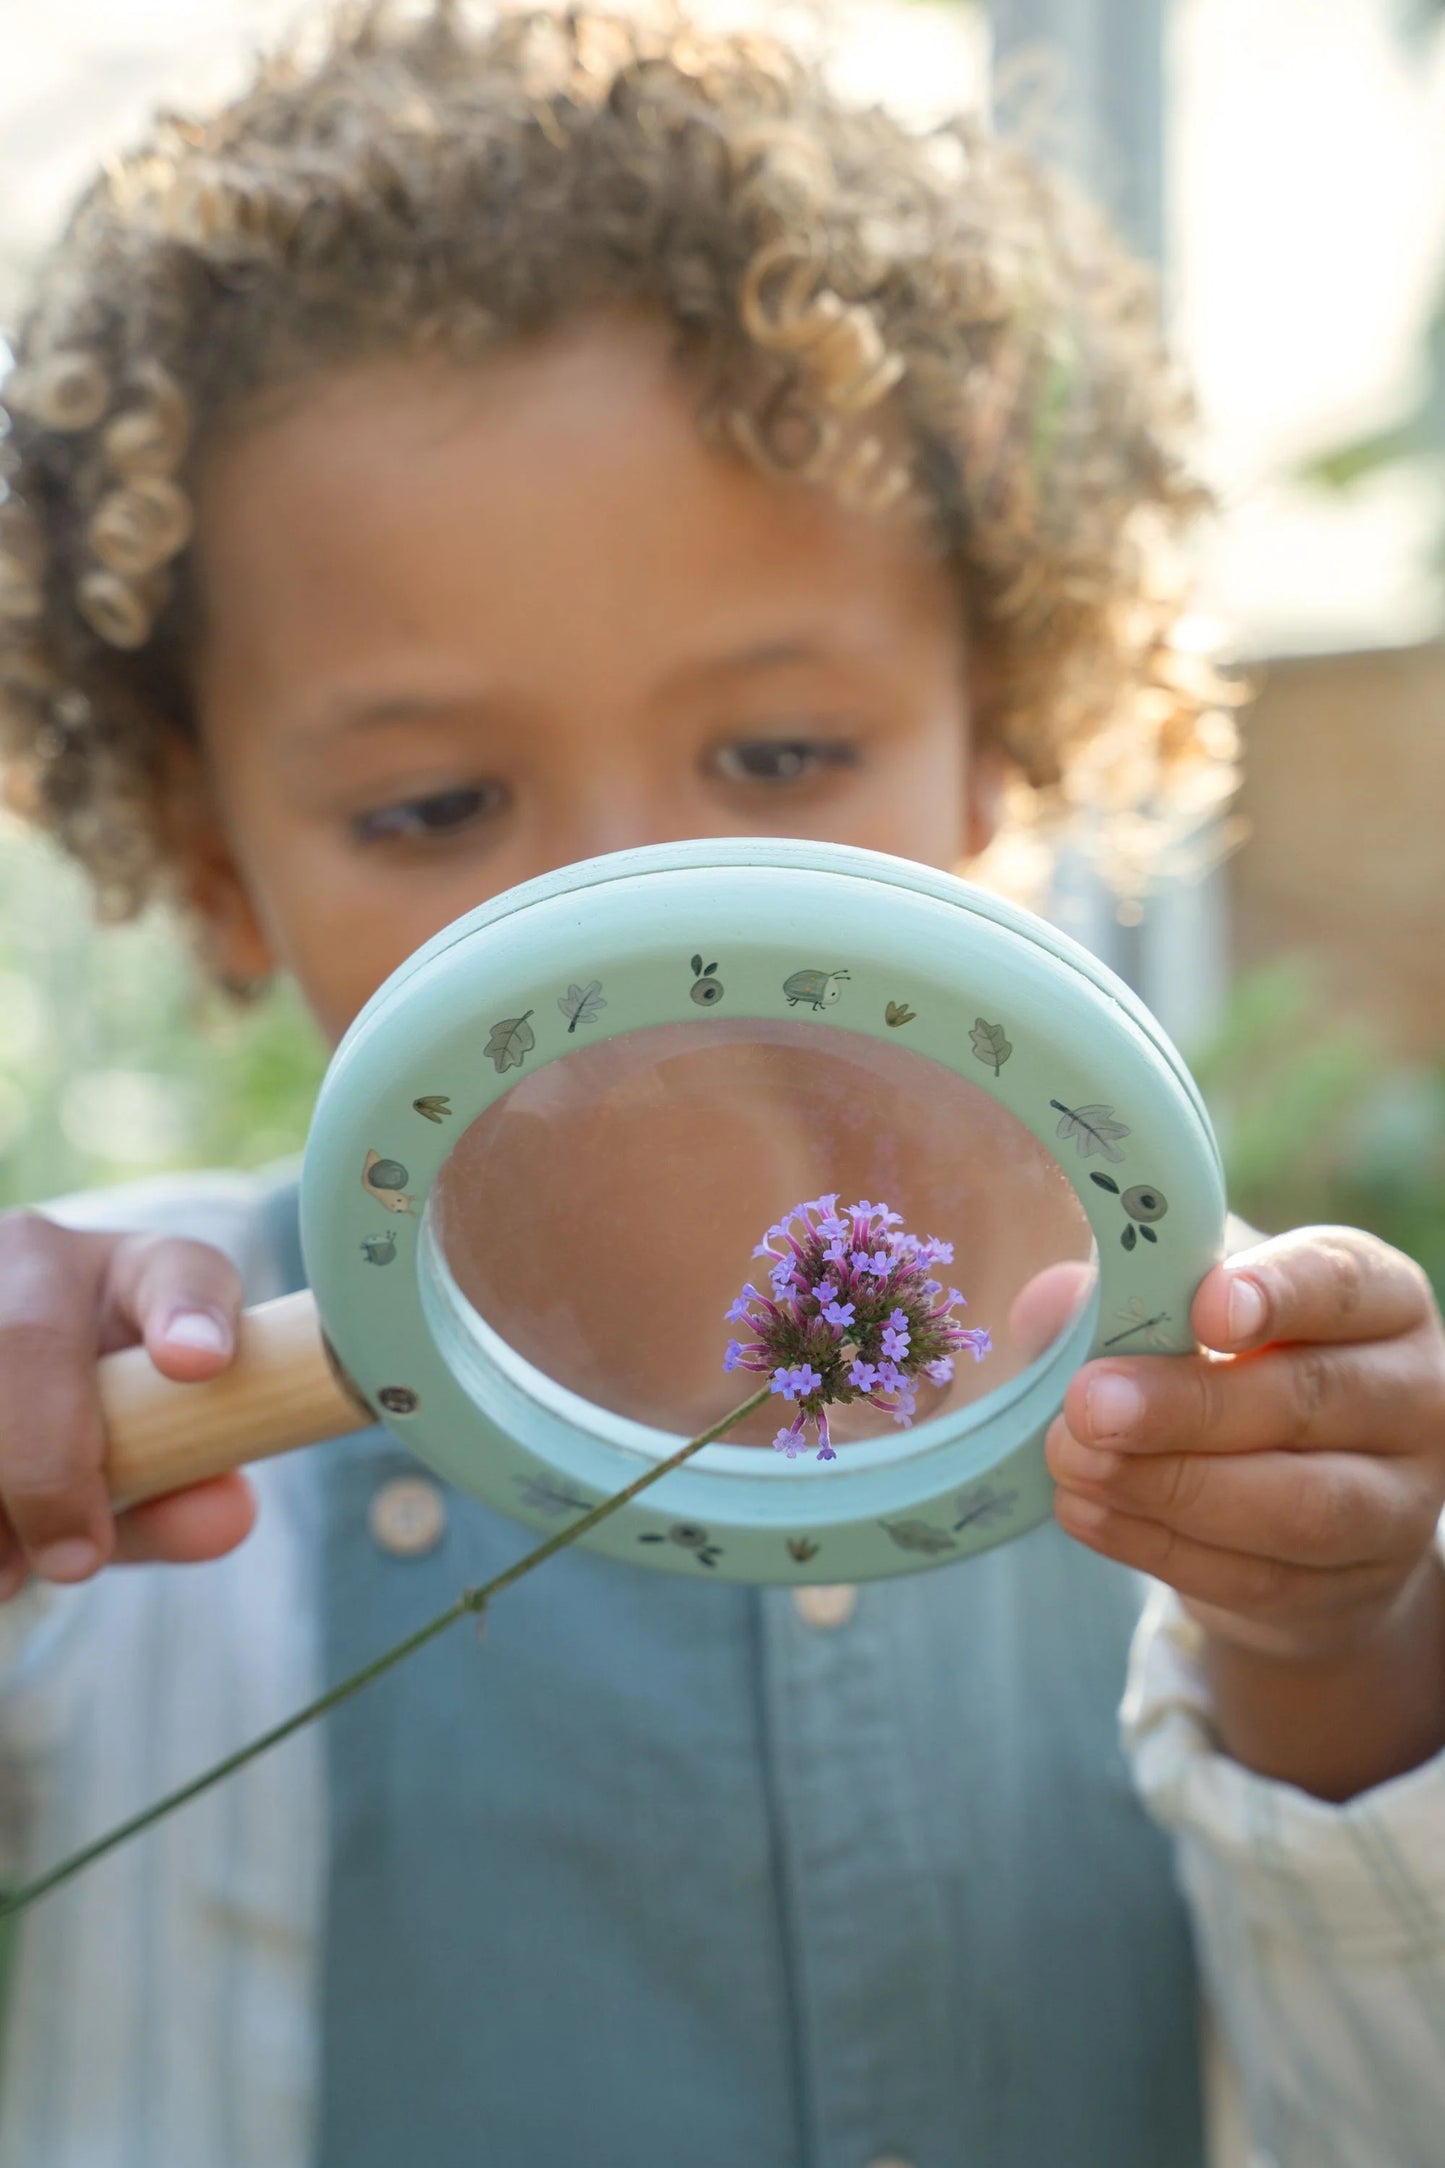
386 1179
433 1107
989 1044
706 991
1144 1204
897 1013
1093 1129
820 989
689 1537
511 1042
580 1004
379 1249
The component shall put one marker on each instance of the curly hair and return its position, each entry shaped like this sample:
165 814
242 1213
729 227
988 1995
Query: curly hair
904 316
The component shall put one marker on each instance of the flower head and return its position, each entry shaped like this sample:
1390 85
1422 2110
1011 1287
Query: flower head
853 1316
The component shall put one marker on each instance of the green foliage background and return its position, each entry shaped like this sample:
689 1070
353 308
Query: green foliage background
114 1062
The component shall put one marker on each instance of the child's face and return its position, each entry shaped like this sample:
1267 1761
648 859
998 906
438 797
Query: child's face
462 627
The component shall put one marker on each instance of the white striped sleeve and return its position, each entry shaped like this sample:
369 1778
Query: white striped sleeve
1320 1928
162 2006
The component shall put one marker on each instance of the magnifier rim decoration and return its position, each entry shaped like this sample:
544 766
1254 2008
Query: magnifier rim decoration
840 939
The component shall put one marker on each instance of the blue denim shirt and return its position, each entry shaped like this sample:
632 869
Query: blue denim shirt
658 1873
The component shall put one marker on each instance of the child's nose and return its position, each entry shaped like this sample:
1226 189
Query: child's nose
610 813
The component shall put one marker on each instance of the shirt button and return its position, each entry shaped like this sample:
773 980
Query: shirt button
825 1607
407 1516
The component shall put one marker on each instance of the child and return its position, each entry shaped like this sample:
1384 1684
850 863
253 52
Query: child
470 451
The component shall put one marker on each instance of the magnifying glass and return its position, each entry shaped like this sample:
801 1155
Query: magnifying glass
545 1153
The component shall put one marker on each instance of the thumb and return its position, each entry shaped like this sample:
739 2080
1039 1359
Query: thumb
181 1298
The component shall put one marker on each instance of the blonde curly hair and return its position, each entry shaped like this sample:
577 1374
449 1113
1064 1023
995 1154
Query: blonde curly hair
904 316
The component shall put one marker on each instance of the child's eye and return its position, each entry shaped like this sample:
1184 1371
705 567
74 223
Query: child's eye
783 760
441 814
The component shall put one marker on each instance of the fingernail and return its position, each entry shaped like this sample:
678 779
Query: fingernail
1245 1309
197 1328
71 1560
1114 1404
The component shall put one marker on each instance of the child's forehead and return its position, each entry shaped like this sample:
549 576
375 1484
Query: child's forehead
569 474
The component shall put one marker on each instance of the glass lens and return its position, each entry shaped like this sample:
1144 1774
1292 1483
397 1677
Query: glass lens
604 1213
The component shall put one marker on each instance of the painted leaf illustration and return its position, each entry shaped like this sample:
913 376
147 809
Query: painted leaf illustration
511 1041
989 1044
697 965
918 1536
898 1012
1093 1129
980 1505
544 1495
434 1107
580 1003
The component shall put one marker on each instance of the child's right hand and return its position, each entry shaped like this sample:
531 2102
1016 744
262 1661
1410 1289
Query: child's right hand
66 1298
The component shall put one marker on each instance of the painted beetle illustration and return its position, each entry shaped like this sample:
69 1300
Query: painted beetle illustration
706 992
820 989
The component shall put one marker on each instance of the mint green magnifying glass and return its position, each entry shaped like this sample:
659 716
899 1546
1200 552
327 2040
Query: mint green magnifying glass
547 1149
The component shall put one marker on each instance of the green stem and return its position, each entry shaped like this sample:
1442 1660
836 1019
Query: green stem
472 1600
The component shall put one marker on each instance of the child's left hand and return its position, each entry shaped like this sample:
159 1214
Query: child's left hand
1289 1485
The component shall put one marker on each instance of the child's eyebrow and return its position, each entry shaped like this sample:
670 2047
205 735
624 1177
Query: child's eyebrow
345 715
759 656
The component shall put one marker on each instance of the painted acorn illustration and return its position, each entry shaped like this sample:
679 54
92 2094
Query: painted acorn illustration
1144 1204
820 989
386 1179
706 991
379 1249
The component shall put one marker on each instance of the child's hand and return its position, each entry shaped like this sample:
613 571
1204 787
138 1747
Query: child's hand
67 1298
1288 1487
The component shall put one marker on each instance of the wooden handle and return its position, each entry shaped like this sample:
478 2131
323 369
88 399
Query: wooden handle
282 1389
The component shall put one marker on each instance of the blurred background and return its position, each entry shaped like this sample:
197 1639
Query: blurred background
1285 168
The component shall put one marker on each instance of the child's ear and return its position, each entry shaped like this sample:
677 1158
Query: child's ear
209 880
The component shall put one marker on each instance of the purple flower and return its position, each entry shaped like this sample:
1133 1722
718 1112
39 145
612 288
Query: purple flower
852 1315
